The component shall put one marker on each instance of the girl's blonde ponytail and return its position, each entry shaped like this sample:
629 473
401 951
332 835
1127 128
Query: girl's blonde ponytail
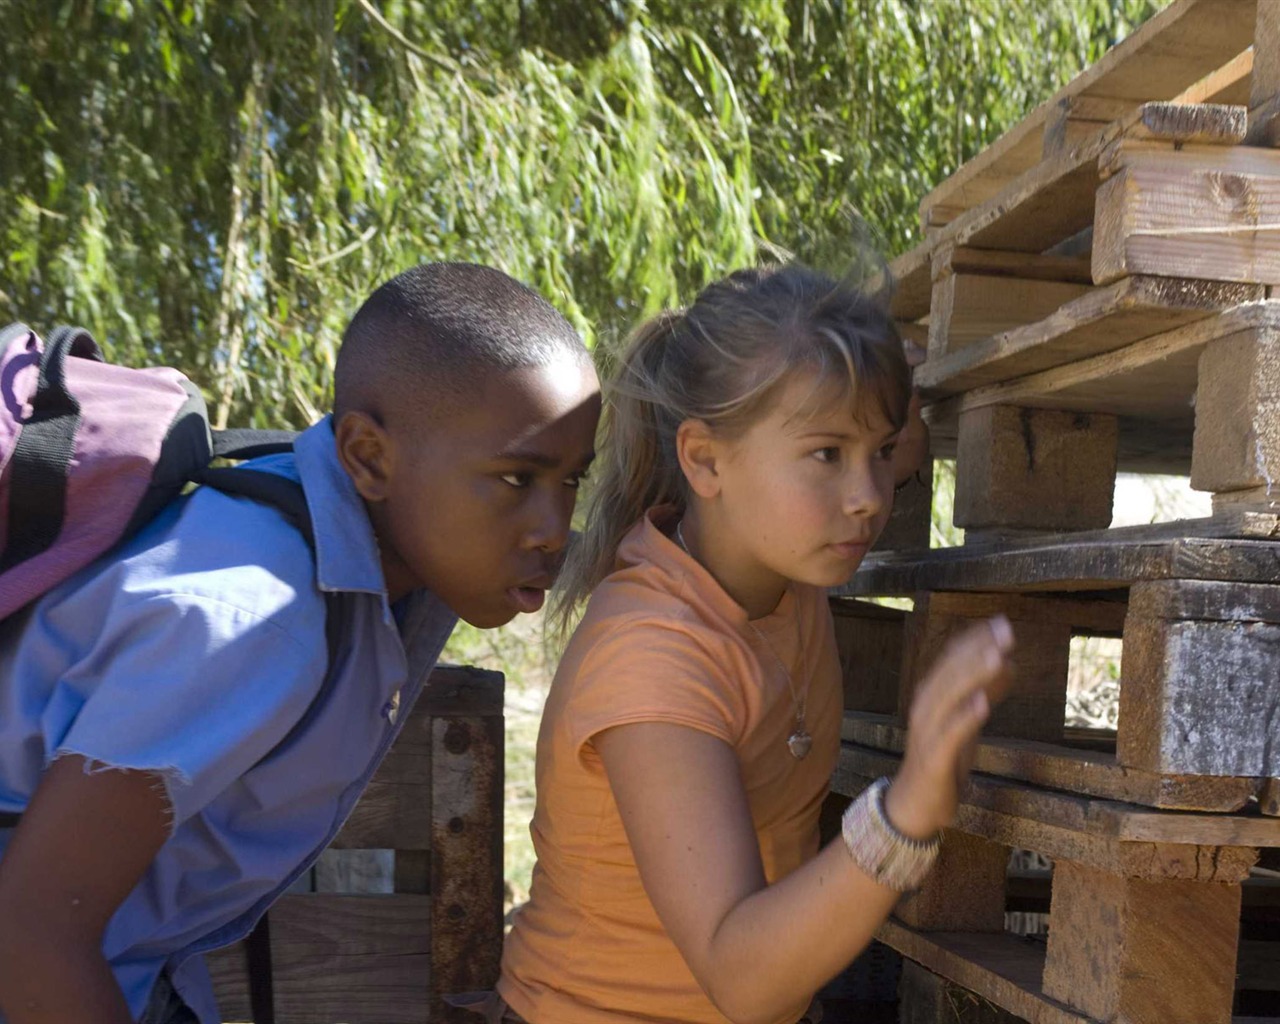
633 473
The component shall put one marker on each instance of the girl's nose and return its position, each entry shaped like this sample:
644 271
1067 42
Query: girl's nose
863 493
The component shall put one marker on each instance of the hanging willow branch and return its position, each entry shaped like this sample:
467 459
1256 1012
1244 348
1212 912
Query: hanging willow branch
217 184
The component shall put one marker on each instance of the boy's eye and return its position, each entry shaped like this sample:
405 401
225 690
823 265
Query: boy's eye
518 480
828 454
575 481
886 452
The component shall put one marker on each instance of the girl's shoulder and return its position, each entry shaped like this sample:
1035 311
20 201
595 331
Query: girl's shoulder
632 608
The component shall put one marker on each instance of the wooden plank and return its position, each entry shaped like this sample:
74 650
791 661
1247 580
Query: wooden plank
1206 601
1054 199
1201 124
1168 54
1264 83
1102 616
1075 118
1029 266
1237 438
1208 212
928 998
1088 772
394 812
1101 320
965 890
1007 812
1001 968
1190 549
910 523
970 307
1086 384
912 283
1050 202
1035 709
466 856
361 959
1200 697
1269 798
1142 950
1228 84
1034 469
869 639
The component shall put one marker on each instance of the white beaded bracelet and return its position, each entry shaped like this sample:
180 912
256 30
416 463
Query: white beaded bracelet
879 849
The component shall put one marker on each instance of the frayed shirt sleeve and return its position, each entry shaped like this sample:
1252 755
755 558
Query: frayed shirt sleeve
194 688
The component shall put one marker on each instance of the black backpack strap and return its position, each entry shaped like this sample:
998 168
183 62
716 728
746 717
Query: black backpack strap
38 480
262 994
240 443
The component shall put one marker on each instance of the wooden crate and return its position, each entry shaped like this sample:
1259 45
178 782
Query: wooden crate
1199 694
1097 281
436 801
1145 912
1194 52
1095 294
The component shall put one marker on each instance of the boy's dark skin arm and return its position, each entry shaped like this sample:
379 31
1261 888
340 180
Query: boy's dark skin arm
84 842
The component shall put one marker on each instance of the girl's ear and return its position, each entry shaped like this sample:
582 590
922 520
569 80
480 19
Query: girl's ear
367 453
700 453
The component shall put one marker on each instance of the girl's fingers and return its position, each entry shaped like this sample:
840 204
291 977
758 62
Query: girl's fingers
973 662
1001 632
955 739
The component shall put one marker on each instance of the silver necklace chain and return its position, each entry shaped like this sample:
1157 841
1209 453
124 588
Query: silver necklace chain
799 741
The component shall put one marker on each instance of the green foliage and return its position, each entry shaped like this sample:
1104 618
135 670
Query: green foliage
219 183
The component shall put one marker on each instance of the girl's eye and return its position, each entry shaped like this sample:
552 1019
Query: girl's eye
886 453
575 481
829 454
517 480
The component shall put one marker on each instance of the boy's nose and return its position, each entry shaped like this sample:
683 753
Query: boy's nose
549 531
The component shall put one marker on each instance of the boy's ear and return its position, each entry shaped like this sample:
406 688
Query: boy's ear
699 452
366 452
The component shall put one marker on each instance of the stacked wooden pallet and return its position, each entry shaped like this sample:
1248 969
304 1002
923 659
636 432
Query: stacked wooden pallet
436 801
1094 292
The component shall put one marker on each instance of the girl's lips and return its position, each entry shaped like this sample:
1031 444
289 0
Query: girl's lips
527 599
850 549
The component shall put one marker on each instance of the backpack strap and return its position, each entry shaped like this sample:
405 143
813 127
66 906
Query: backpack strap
262 989
42 456
239 443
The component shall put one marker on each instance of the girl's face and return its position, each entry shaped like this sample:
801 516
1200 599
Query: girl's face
806 490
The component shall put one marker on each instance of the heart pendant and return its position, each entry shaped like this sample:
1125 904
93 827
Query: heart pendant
799 743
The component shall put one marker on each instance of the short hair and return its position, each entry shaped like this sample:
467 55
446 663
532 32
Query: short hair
430 334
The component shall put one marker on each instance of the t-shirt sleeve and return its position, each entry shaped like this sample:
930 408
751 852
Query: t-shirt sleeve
651 672
194 688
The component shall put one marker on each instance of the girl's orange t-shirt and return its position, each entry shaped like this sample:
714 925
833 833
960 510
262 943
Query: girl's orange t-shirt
661 642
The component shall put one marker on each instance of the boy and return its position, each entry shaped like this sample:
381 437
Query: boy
170 726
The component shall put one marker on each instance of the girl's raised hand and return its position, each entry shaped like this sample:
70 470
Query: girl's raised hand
951 704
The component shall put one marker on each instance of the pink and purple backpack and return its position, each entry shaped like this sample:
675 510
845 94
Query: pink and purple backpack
90 452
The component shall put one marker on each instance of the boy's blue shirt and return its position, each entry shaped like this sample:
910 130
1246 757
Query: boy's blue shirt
194 651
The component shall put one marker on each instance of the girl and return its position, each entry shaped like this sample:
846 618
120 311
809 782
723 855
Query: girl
749 463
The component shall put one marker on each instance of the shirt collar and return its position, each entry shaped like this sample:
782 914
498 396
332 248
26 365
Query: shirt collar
347 556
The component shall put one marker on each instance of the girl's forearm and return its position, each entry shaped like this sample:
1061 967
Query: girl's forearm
793 936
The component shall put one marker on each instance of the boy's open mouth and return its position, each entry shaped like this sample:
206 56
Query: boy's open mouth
527 599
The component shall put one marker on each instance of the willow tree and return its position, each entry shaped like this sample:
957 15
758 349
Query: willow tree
218 184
